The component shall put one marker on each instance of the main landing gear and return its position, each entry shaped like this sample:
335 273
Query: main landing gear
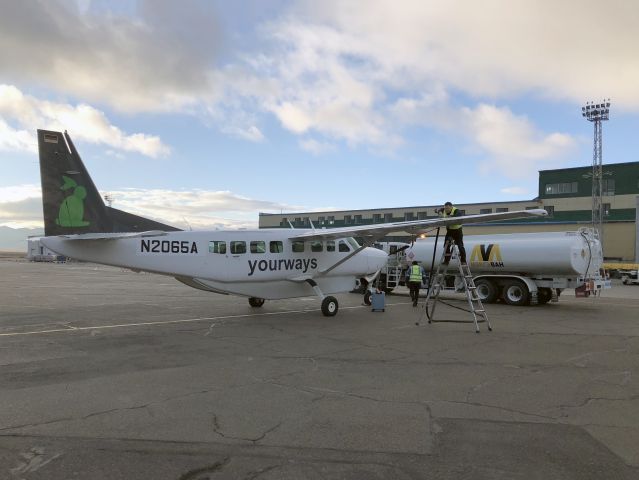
329 304
256 302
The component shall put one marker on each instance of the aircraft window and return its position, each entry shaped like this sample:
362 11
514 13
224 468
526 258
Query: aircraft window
353 243
238 247
258 247
343 247
316 246
217 247
330 245
276 247
298 246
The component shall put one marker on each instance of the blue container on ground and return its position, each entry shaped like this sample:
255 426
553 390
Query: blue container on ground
378 301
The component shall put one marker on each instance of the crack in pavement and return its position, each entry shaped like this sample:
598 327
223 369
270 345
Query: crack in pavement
217 430
195 473
594 399
105 412
504 409
258 473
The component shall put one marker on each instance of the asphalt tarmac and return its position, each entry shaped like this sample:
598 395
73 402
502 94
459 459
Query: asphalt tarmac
110 374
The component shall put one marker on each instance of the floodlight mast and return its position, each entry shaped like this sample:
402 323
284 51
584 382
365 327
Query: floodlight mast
596 113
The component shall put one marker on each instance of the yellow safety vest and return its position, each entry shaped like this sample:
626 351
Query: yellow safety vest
452 212
415 274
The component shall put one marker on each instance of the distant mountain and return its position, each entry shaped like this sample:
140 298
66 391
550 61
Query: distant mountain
15 239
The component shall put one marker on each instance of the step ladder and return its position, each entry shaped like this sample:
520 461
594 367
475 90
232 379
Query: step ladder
437 284
393 276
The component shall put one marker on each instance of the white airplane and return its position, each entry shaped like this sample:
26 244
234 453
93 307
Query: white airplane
258 264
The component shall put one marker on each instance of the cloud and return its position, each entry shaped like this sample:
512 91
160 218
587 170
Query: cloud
514 191
12 139
21 207
515 146
510 144
25 213
156 60
316 147
494 48
201 209
250 133
85 122
330 69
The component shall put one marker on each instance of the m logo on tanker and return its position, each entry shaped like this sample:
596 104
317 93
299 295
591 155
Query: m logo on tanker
490 253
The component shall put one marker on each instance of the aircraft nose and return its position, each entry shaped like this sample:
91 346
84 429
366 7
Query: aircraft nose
376 259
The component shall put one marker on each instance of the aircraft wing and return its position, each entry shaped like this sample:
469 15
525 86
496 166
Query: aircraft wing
113 236
416 227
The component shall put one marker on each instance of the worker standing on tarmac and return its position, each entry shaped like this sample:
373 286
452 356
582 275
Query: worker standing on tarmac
453 232
415 281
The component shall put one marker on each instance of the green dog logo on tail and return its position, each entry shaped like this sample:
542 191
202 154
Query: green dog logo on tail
72 207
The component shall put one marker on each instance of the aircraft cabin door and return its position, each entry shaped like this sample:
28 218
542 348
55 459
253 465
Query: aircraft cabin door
237 261
217 260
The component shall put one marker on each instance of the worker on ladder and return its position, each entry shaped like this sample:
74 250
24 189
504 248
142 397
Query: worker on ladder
453 232
416 276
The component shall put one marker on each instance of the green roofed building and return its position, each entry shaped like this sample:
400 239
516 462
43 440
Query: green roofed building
565 193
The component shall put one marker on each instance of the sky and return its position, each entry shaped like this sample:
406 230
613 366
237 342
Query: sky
203 113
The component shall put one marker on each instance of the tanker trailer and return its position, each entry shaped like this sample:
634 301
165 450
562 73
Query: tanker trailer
524 268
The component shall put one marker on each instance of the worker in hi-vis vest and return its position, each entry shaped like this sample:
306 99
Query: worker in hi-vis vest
453 232
415 276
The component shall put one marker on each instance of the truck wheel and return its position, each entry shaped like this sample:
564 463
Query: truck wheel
544 295
486 290
516 293
329 306
625 280
256 302
367 297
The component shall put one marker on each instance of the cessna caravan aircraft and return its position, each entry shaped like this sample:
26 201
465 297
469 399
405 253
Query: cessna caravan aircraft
259 264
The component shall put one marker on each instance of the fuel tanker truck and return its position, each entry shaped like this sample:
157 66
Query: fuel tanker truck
523 268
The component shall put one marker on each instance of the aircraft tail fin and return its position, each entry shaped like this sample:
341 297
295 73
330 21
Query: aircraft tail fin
70 201
71 204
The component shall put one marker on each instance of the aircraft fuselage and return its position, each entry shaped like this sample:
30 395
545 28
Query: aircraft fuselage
261 263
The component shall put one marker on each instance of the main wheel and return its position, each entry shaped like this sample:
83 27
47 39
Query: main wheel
256 302
329 306
486 290
367 297
516 293
544 295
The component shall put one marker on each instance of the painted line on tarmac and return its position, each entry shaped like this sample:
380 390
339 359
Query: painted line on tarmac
70 329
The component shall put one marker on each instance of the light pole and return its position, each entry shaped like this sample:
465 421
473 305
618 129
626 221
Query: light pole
596 113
